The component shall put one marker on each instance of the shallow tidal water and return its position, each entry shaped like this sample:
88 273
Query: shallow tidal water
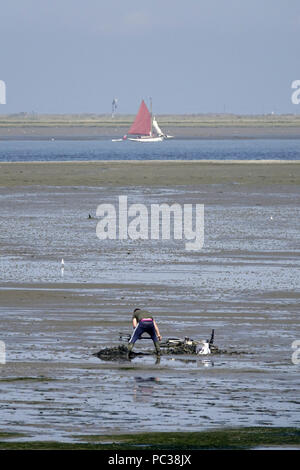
173 149
244 283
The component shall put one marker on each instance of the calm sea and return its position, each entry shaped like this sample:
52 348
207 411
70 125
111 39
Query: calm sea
63 150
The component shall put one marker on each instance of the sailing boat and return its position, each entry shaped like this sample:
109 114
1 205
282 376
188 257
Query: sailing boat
145 127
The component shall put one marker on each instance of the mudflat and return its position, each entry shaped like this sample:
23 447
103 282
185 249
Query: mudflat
243 283
149 173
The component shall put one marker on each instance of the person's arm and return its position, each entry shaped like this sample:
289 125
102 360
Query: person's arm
157 330
134 322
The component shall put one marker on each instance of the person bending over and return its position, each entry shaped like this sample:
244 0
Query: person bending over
143 321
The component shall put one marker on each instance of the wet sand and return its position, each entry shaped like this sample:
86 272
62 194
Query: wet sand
149 173
244 283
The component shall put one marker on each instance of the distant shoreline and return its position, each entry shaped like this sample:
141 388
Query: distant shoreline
24 126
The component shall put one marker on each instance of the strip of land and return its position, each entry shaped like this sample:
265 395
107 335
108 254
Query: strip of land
148 173
27 126
243 438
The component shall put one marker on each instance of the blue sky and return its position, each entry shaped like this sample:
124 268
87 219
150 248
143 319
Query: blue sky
192 56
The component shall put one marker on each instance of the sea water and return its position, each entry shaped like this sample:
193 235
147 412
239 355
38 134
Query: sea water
177 149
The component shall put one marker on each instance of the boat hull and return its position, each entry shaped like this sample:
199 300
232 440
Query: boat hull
145 139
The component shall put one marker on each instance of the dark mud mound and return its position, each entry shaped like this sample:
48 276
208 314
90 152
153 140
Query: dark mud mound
193 348
171 349
117 353
121 352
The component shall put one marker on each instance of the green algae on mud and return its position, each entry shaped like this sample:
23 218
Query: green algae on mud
237 438
11 435
227 438
21 379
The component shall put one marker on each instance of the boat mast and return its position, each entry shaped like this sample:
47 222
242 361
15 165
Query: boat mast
151 113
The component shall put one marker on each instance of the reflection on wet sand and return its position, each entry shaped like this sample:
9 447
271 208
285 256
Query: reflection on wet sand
144 388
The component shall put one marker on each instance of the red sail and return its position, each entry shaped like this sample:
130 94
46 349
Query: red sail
142 122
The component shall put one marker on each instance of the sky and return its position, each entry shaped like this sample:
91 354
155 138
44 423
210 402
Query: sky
191 56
